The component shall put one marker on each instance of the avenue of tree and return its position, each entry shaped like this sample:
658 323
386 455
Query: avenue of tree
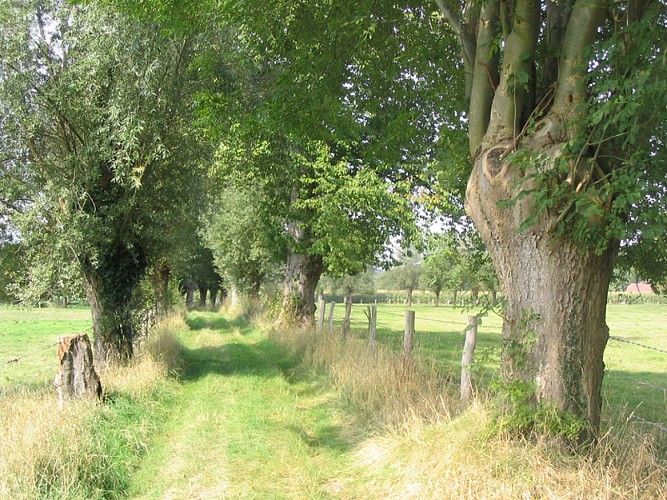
144 140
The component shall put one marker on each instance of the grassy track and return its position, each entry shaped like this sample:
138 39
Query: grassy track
246 424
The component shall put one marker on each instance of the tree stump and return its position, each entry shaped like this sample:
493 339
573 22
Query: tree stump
76 376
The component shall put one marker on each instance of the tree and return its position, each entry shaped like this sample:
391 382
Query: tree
93 107
243 240
566 107
439 270
406 276
362 283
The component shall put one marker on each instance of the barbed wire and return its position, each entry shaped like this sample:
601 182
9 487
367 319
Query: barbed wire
17 359
640 382
661 427
618 339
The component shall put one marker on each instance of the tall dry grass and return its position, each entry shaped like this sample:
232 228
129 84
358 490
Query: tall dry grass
374 380
87 449
459 459
427 446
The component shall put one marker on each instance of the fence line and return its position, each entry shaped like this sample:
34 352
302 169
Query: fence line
19 358
16 359
642 420
641 382
618 339
660 427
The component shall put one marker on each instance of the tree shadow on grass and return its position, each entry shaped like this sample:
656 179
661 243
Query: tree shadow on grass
264 359
218 322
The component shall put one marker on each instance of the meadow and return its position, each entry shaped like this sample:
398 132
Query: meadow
217 406
636 375
635 382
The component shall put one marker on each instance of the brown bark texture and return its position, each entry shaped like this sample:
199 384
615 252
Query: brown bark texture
554 331
301 278
76 377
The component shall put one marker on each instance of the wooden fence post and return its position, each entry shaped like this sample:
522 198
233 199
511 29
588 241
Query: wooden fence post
320 316
408 341
466 362
372 313
76 375
331 316
346 319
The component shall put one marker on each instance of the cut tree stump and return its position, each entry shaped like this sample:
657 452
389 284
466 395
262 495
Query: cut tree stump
76 377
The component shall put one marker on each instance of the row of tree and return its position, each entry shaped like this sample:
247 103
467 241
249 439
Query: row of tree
314 133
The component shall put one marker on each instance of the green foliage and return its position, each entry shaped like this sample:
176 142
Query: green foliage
607 183
239 236
517 414
100 156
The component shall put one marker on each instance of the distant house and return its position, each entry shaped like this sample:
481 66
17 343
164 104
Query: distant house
639 288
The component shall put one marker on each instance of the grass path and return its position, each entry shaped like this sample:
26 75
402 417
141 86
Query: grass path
245 425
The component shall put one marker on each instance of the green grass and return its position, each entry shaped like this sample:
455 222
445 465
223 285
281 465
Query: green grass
634 382
636 377
248 423
30 335
247 419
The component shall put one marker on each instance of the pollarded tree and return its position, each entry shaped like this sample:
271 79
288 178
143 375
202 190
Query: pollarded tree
566 104
93 105
243 239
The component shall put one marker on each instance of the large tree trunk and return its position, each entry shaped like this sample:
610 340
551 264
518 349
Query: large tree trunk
301 278
161 286
203 291
113 331
437 298
554 331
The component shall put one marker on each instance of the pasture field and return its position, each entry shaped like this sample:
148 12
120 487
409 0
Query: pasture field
635 382
216 406
636 377
28 339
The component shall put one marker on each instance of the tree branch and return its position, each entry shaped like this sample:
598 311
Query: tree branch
467 39
517 73
450 15
581 29
485 70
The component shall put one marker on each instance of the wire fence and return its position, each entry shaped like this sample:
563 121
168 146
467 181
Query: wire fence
361 323
30 369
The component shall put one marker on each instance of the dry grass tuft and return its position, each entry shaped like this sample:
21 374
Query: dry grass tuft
374 380
41 442
85 446
158 357
457 459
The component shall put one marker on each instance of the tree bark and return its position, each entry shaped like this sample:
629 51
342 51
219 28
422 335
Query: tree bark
409 290
161 285
113 331
437 298
554 330
76 377
301 278
190 292
203 291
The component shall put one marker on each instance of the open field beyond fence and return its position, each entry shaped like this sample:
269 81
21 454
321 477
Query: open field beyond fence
636 355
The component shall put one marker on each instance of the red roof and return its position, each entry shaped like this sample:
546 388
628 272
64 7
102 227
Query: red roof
639 288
